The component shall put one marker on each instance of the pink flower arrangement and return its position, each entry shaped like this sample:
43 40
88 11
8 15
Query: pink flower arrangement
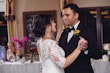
20 43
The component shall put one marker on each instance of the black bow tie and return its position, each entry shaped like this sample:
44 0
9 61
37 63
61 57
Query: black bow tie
69 29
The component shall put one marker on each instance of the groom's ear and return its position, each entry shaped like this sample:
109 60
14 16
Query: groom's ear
76 15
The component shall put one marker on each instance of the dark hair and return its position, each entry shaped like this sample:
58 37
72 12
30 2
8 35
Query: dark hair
41 21
74 7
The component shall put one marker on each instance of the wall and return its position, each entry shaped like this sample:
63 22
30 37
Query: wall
35 5
92 3
2 5
41 5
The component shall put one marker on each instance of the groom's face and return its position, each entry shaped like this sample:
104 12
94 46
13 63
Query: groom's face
69 17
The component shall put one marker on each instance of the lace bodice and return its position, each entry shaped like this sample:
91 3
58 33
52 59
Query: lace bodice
51 55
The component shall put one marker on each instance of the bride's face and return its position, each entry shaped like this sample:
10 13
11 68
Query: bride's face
53 26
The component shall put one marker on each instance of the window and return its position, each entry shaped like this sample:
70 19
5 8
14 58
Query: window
99 19
105 12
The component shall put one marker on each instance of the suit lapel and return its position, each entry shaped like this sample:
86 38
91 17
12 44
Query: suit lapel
76 37
65 37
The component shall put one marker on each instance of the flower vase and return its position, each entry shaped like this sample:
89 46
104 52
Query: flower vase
32 57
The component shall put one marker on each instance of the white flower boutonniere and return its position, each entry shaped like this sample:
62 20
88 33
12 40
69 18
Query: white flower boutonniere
106 46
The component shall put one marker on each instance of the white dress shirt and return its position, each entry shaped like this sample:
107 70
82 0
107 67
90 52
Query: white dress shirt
70 34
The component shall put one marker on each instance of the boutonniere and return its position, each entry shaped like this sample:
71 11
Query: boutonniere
76 32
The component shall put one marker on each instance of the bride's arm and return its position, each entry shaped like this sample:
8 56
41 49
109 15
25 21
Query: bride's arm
60 60
58 35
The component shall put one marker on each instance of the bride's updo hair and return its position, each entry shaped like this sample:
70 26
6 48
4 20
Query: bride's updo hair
41 21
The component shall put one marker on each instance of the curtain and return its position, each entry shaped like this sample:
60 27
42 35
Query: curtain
10 17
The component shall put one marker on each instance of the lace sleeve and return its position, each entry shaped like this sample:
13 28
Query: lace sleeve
57 54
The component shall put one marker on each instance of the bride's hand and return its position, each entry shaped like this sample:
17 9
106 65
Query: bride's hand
58 35
82 44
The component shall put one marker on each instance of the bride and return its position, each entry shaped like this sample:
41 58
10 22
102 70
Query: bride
51 55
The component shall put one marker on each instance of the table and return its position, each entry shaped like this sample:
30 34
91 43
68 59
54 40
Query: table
20 68
100 66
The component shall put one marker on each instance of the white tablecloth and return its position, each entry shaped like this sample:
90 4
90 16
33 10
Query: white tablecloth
20 67
100 66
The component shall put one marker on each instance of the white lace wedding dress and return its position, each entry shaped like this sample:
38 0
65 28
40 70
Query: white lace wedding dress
51 56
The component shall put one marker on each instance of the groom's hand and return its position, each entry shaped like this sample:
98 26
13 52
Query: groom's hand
82 43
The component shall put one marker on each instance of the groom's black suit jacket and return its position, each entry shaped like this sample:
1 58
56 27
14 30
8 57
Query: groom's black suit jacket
82 64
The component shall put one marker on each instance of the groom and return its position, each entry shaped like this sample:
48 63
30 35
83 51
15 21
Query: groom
70 37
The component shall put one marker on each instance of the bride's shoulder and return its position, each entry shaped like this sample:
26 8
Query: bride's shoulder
50 41
46 41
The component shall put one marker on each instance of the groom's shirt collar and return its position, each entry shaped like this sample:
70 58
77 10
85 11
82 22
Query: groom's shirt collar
76 25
